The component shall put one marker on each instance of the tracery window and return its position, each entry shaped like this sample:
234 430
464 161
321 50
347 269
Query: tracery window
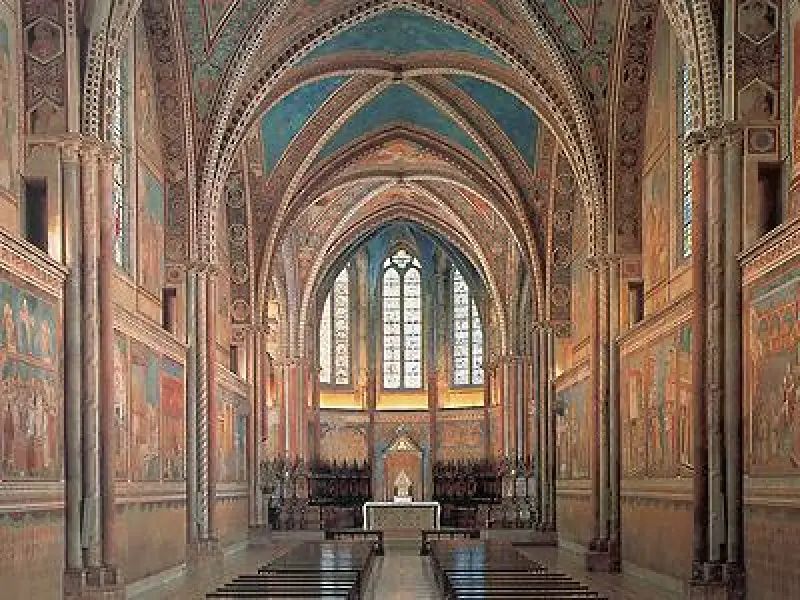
685 124
467 335
118 135
334 333
402 322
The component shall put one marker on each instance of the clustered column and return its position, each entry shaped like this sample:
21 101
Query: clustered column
599 557
90 509
717 560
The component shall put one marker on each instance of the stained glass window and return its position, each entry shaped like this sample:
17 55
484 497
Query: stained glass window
334 333
118 135
685 117
402 322
467 335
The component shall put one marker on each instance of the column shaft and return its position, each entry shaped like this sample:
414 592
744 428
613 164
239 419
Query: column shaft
545 482
613 413
715 365
191 407
733 351
594 341
91 525
698 348
536 442
550 414
106 359
202 424
602 397
211 350
73 489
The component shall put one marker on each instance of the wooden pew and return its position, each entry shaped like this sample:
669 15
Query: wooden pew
471 569
445 533
329 569
355 533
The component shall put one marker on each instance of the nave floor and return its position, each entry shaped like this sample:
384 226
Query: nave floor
404 575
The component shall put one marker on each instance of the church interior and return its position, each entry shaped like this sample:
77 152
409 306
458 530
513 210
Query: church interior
270 268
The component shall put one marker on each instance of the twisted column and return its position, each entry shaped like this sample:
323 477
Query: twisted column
202 403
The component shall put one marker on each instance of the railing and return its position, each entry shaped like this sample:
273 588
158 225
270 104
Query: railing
358 534
446 533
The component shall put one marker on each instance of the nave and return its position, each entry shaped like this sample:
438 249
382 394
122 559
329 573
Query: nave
400 574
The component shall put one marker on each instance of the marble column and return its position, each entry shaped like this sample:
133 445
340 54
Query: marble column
544 410
536 441
594 447
73 314
201 420
433 409
698 351
254 348
92 524
106 391
734 149
550 415
191 408
715 365
602 398
614 440
487 411
211 407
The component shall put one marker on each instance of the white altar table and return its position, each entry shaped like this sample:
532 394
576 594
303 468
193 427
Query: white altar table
401 515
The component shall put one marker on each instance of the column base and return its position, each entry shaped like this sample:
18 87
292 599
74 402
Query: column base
204 554
603 556
717 581
98 583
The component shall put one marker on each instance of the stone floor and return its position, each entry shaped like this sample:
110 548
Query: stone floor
620 586
403 575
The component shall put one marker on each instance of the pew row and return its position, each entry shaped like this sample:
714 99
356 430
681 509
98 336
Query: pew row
472 569
326 569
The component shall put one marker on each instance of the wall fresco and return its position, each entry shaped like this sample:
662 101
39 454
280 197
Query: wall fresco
573 430
121 406
231 436
342 440
772 373
460 440
9 96
172 421
659 98
580 272
655 407
148 133
145 395
30 385
656 208
151 231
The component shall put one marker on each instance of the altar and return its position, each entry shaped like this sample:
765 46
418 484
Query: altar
402 516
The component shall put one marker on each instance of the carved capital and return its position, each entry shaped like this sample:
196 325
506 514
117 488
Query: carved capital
696 143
